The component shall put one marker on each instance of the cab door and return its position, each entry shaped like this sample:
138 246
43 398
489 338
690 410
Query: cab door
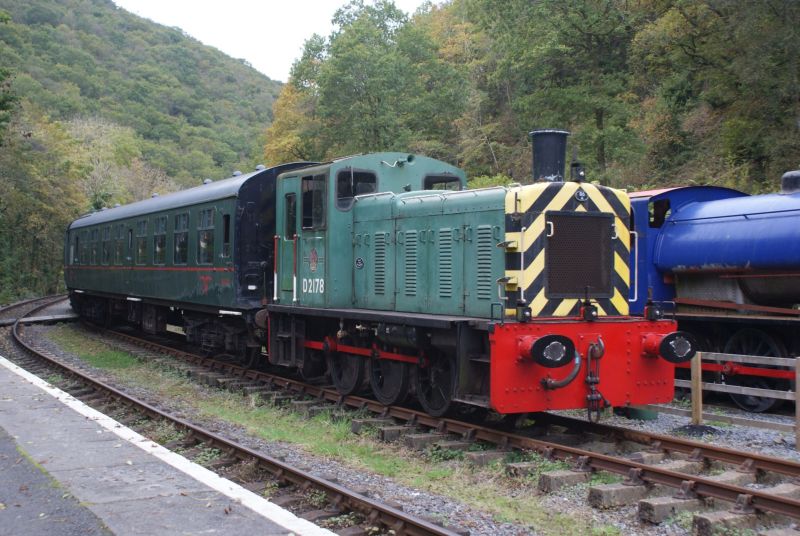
312 261
287 230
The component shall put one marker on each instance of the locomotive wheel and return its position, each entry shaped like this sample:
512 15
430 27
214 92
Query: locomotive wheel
346 371
435 385
389 380
754 342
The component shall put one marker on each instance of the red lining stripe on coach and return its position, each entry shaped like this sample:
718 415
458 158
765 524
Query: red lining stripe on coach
152 268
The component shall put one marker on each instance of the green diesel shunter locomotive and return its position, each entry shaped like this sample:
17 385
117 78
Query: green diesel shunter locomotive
499 297
202 259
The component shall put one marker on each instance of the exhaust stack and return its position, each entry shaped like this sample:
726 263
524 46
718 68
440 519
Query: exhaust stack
549 154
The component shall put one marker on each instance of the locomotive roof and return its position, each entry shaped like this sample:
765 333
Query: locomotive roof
212 191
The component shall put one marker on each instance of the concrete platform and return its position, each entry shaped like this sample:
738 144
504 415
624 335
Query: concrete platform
118 482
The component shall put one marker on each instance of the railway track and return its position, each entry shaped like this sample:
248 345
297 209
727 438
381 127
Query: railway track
375 516
638 472
21 309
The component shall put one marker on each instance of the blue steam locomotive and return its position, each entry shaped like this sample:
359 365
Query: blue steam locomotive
728 264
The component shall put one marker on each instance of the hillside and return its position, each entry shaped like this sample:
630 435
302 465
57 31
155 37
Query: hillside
194 111
99 106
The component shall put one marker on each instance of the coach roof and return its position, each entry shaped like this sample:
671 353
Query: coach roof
213 191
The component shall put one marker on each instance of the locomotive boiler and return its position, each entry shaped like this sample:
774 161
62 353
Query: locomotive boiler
730 262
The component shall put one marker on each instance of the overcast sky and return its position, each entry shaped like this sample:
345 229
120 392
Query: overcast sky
268 34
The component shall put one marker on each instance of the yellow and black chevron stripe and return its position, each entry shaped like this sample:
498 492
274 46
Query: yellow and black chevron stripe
526 207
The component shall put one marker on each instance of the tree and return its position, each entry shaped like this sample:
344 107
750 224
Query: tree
40 168
376 83
7 96
725 75
294 132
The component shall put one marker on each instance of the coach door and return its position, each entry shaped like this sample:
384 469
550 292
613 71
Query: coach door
129 254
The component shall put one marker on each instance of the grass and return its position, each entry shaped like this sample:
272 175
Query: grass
93 352
603 477
488 488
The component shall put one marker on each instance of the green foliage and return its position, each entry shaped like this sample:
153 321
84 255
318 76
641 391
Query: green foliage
654 93
40 167
194 112
98 107
376 83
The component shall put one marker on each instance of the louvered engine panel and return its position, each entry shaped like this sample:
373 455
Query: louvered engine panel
485 246
411 262
445 263
380 263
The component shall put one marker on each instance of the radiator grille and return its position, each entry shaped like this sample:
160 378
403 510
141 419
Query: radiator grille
579 255
484 272
411 246
380 263
445 263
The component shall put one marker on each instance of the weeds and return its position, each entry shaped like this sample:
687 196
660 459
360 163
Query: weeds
207 455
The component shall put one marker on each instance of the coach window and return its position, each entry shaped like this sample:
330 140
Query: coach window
85 247
350 183
95 246
141 242
76 251
160 240
205 237
659 212
181 235
119 242
291 216
106 245
226 235
442 182
314 191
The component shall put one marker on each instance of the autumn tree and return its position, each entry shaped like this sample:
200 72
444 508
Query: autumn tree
376 83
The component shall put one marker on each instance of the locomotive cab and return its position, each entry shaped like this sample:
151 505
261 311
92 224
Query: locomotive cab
315 263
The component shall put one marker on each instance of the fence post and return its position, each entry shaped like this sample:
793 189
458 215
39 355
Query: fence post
697 388
797 404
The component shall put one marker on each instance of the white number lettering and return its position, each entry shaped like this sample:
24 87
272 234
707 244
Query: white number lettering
314 285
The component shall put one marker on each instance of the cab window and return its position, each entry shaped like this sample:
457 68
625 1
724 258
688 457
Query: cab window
442 182
659 212
350 183
314 193
291 216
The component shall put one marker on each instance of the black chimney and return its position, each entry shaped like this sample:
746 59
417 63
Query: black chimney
790 182
549 154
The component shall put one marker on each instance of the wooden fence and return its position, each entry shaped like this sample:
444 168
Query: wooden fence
697 385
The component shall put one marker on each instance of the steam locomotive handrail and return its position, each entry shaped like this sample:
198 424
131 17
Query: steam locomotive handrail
635 268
